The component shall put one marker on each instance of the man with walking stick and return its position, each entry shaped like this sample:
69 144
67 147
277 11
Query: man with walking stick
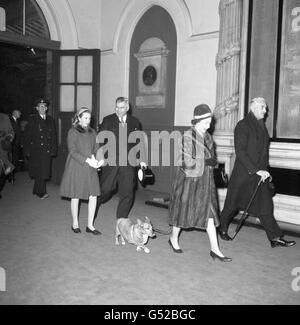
249 185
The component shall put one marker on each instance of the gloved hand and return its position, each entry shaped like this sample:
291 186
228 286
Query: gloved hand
93 162
143 165
211 162
100 163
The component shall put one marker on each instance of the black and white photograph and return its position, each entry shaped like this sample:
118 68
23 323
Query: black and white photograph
150 155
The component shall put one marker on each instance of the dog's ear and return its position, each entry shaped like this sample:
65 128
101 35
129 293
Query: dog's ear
139 221
147 219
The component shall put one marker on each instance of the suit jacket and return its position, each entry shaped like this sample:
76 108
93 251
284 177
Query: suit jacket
119 151
40 145
251 141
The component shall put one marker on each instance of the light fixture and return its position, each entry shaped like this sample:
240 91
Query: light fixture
31 49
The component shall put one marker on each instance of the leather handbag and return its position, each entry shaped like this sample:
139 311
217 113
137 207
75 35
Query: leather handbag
220 176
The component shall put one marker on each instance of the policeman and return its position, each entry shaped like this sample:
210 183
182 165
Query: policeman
40 145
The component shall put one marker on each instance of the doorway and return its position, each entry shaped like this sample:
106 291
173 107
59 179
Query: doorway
23 77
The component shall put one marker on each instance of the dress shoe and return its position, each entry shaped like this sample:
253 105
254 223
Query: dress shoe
175 250
76 230
94 232
224 235
45 196
222 259
281 242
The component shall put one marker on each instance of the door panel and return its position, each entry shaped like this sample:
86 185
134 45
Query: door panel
76 76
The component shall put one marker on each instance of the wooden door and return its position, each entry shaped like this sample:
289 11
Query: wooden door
76 75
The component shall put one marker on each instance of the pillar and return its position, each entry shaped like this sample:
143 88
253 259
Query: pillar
228 66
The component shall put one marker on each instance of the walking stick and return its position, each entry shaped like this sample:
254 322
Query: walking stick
245 214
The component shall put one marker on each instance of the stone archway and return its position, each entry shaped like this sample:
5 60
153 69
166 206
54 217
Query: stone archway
130 18
61 22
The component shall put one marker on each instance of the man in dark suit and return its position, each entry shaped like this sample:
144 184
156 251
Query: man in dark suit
40 146
120 171
14 120
251 141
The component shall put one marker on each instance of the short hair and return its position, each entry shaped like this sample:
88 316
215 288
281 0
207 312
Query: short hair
258 100
122 100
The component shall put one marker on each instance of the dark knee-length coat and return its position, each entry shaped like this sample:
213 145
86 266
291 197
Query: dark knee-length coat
79 179
40 144
194 197
251 141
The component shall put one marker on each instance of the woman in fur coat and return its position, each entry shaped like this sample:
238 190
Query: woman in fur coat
193 202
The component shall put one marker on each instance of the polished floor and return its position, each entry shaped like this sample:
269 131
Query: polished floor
46 263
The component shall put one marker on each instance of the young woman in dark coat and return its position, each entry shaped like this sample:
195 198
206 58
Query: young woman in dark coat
80 179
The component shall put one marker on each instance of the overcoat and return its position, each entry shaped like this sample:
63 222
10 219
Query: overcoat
79 179
119 154
40 145
194 198
122 145
17 140
251 141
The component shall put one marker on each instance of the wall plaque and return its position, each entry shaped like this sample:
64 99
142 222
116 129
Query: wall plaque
152 74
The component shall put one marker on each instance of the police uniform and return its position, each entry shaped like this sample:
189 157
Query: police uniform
40 146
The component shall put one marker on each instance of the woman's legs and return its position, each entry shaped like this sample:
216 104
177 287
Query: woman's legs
174 237
74 211
91 211
213 239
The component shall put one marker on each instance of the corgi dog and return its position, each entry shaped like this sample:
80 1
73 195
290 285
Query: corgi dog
136 234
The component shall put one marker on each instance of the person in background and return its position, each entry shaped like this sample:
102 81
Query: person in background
251 142
6 138
80 179
193 202
15 152
40 145
23 161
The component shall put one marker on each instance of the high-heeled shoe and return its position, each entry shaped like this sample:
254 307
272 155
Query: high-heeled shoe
94 232
175 250
222 259
76 230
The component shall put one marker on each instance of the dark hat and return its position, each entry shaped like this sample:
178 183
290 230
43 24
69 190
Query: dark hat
41 101
201 112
